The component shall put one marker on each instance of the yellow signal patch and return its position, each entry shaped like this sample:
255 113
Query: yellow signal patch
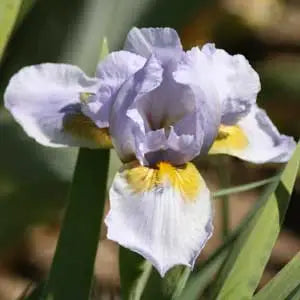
186 179
229 139
81 126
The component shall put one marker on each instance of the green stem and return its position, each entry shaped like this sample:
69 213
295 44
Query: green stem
225 216
244 187
71 272
225 206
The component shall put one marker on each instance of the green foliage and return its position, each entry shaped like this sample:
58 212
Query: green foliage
199 281
134 274
169 287
19 191
295 295
205 272
244 187
72 268
284 283
26 7
9 10
246 261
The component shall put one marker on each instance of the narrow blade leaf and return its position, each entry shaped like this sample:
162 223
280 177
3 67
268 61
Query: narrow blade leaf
198 282
244 187
295 295
72 268
283 283
206 271
9 10
134 273
246 261
169 287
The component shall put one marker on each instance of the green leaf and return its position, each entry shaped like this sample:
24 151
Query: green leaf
161 289
72 268
224 178
284 283
244 187
295 295
9 10
199 281
242 270
139 280
134 273
206 271
26 7
169 287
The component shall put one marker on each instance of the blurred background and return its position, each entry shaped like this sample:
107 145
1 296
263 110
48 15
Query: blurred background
34 180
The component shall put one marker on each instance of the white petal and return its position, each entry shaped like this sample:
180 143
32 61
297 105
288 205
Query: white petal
254 138
147 41
44 97
163 214
112 72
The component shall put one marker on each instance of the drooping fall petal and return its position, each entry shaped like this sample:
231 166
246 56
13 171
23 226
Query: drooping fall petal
163 214
45 100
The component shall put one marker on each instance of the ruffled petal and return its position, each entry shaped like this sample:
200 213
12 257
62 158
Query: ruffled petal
112 72
123 127
194 71
168 125
163 42
163 214
236 81
254 138
45 100
162 145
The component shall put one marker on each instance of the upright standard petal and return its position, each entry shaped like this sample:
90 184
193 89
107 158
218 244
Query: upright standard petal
236 81
122 127
162 42
194 71
163 214
112 72
170 127
254 138
160 118
45 100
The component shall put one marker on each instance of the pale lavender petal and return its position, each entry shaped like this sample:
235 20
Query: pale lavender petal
236 81
167 104
42 97
194 71
112 72
158 145
122 127
150 145
184 147
163 42
168 123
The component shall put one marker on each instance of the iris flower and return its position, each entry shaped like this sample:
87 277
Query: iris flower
159 107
